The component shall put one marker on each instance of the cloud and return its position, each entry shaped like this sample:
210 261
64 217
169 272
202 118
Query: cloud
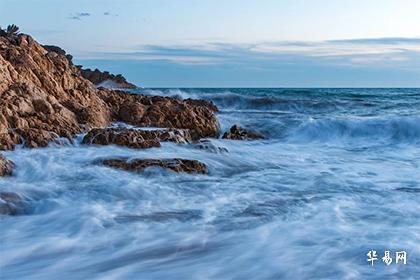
397 53
79 16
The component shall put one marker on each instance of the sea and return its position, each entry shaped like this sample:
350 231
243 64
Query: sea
333 192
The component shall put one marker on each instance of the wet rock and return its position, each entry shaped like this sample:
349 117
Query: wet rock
238 133
209 146
122 137
11 204
135 138
6 166
176 164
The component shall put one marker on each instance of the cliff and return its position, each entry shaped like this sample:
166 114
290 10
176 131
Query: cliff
43 96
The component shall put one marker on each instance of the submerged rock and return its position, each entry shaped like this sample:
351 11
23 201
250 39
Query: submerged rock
206 144
176 164
135 138
181 216
6 166
10 204
238 133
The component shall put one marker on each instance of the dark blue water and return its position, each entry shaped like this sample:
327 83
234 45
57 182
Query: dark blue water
338 176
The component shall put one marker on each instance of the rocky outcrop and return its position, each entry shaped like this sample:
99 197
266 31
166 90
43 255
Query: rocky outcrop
96 76
44 96
135 138
6 167
176 165
238 133
51 48
106 79
165 112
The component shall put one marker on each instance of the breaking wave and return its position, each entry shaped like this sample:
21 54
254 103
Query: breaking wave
395 130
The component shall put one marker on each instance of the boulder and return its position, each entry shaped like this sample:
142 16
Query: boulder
238 133
135 138
176 165
6 166
164 112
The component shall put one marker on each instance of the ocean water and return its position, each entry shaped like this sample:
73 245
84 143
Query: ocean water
337 177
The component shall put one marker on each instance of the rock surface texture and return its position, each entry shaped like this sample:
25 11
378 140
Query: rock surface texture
6 166
43 96
176 165
238 133
135 138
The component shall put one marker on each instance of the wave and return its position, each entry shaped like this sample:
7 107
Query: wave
254 99
392 130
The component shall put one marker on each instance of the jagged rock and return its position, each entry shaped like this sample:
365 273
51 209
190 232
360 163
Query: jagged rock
165 112
135 138
59 50
6 166
106 79
176 164
11 204
36 85
122 137
43 96
238 133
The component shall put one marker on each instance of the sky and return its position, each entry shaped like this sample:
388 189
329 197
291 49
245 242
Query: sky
233 43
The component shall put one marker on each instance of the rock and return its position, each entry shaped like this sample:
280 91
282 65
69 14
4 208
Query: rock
135 138
11 204
238 133
164 112
209 146
6 166
43 96
122 137
60 51
106 79
176 165
36 87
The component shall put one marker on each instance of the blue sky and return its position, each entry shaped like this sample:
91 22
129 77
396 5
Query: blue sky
233 43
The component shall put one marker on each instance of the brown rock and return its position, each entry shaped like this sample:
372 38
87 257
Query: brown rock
44 96
238 133
6 166
165 112
176 165
135 138
122 137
